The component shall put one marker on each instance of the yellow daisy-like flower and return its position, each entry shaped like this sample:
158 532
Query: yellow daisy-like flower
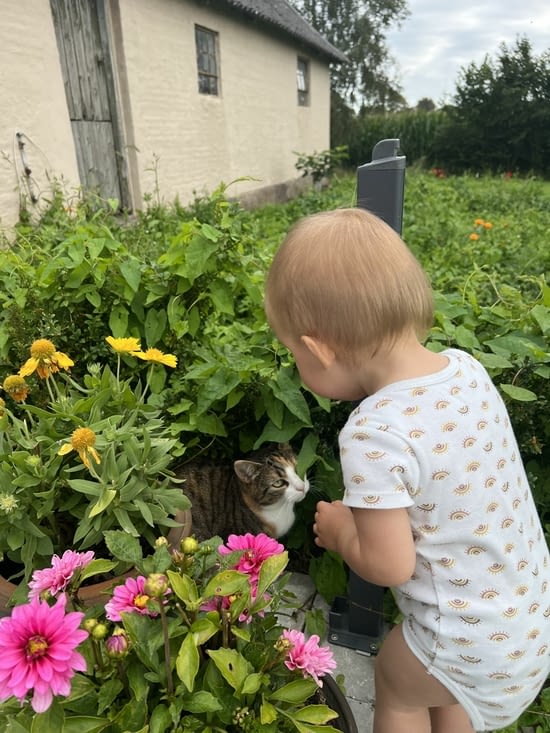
83 441
16 387
45 360
479 222
487 225
157 356
474 237
123 345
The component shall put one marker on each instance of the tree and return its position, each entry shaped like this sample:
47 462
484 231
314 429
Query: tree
425 104
500 116
357 28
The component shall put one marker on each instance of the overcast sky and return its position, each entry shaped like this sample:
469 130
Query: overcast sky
441 36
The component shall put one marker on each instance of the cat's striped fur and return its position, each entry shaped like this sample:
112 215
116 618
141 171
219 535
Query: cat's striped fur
257 494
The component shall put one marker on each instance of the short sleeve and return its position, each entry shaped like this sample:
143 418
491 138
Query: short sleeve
379 468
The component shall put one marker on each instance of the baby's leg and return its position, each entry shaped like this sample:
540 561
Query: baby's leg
405 693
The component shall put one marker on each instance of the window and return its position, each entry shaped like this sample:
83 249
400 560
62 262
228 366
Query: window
302 82
206 43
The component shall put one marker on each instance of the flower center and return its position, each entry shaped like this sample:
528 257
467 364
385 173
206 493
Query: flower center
8 503
42 349
37 646
141 601
13 383
83 438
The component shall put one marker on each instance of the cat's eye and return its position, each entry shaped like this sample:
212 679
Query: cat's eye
279 483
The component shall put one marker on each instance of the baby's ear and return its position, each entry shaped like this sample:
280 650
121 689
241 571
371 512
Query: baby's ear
320 350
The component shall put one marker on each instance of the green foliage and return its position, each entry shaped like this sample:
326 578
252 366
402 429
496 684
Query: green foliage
205 652
500 115
117 475
320 165
416 130
357 28
190 281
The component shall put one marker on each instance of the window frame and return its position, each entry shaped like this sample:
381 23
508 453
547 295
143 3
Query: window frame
208 77
302 81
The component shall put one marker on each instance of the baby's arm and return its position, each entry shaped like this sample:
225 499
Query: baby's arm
377 544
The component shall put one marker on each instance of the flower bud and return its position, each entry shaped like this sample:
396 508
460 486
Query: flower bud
161 542
99 631
90 624
156 585
117 645
189 545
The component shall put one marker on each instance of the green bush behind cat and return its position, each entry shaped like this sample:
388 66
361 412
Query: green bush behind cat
190 282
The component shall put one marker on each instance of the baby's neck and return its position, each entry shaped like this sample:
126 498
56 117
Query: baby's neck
407 359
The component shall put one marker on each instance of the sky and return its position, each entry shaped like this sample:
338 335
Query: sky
439 37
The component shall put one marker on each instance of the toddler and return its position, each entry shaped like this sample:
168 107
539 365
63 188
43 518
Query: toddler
436 505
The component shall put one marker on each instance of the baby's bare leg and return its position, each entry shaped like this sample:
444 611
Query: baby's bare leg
406 693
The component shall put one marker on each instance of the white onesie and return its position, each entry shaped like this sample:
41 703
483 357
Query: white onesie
477 609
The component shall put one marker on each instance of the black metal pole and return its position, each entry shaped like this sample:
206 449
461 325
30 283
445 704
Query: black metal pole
358 620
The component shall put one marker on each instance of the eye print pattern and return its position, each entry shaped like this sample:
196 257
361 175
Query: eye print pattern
473 490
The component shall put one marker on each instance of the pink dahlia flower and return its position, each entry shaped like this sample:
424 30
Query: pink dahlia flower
38 645
56 578
308 656
257 548
130 598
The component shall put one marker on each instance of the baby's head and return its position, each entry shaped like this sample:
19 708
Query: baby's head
346 278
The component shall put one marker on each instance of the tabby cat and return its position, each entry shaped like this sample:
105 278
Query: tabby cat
256 495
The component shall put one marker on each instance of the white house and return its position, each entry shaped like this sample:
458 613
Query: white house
161 98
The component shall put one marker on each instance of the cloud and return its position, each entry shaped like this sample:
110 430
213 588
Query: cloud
437 40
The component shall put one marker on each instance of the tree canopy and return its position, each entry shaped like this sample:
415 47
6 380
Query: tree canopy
358 28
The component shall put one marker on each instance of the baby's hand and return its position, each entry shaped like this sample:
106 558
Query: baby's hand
334 525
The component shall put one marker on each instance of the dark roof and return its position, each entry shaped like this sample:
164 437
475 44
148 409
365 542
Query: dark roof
281 15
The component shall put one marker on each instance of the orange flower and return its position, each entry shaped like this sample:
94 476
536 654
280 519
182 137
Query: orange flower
487 225
83 441
16 387
479 222
474 237
45 360
157 356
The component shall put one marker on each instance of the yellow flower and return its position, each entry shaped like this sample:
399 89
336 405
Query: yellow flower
487 225
83 441
45 360
157 356
16 387
474 237
123 345
479 222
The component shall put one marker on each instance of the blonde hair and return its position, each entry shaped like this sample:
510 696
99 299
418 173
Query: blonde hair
347 278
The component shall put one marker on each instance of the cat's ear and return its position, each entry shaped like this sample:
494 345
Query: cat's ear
247 470
324 353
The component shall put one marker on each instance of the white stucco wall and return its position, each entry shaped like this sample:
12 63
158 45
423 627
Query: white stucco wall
250 129
32 103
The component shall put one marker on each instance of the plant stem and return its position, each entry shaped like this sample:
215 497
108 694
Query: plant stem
167 664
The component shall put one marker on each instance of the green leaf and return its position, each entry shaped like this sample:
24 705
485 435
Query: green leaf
204 629
131 272
197 255
226 583
202 702
184 587
81 724
290 394
271 568
316 714
232 665
252 683
97 567
118 321
106 498
518 393
155 325
268 713
187 662
124 547
295 692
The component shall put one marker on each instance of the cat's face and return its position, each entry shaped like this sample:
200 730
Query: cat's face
269 476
